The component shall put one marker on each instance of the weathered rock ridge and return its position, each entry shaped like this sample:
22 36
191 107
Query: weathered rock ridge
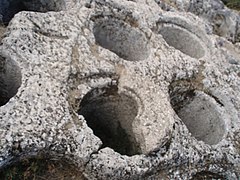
122 89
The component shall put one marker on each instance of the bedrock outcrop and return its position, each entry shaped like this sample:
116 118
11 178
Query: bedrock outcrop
122 89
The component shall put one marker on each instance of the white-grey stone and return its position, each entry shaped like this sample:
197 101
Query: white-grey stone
123 89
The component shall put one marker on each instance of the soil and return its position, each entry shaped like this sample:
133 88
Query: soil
41 169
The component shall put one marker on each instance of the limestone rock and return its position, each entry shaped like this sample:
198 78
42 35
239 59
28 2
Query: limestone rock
122 89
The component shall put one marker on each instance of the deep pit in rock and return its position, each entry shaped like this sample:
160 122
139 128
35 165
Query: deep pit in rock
199 112
9 8
110 115
121 38
182 40
10 79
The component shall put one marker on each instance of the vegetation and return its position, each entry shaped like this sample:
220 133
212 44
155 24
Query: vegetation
2 31
41 169
233 4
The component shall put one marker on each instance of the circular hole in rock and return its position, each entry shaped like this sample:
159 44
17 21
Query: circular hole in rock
8 8
10 79
40 169
199 112
110 115
183 41
119 37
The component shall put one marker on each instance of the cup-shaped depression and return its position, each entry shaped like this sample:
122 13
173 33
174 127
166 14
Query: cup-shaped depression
121 38
10 79
199 112
110 115
183 40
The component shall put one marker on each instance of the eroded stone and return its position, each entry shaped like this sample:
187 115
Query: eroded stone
107 66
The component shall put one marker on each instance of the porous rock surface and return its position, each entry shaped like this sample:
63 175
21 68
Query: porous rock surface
123 89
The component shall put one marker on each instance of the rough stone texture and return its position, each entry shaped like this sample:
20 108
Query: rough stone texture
155 76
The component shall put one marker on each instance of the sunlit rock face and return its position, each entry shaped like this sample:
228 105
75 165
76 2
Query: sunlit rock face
122 89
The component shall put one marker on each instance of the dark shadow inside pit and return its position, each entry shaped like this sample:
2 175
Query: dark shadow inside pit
119 37
198 111
110 115
8 8
10 79
40 169
182 40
